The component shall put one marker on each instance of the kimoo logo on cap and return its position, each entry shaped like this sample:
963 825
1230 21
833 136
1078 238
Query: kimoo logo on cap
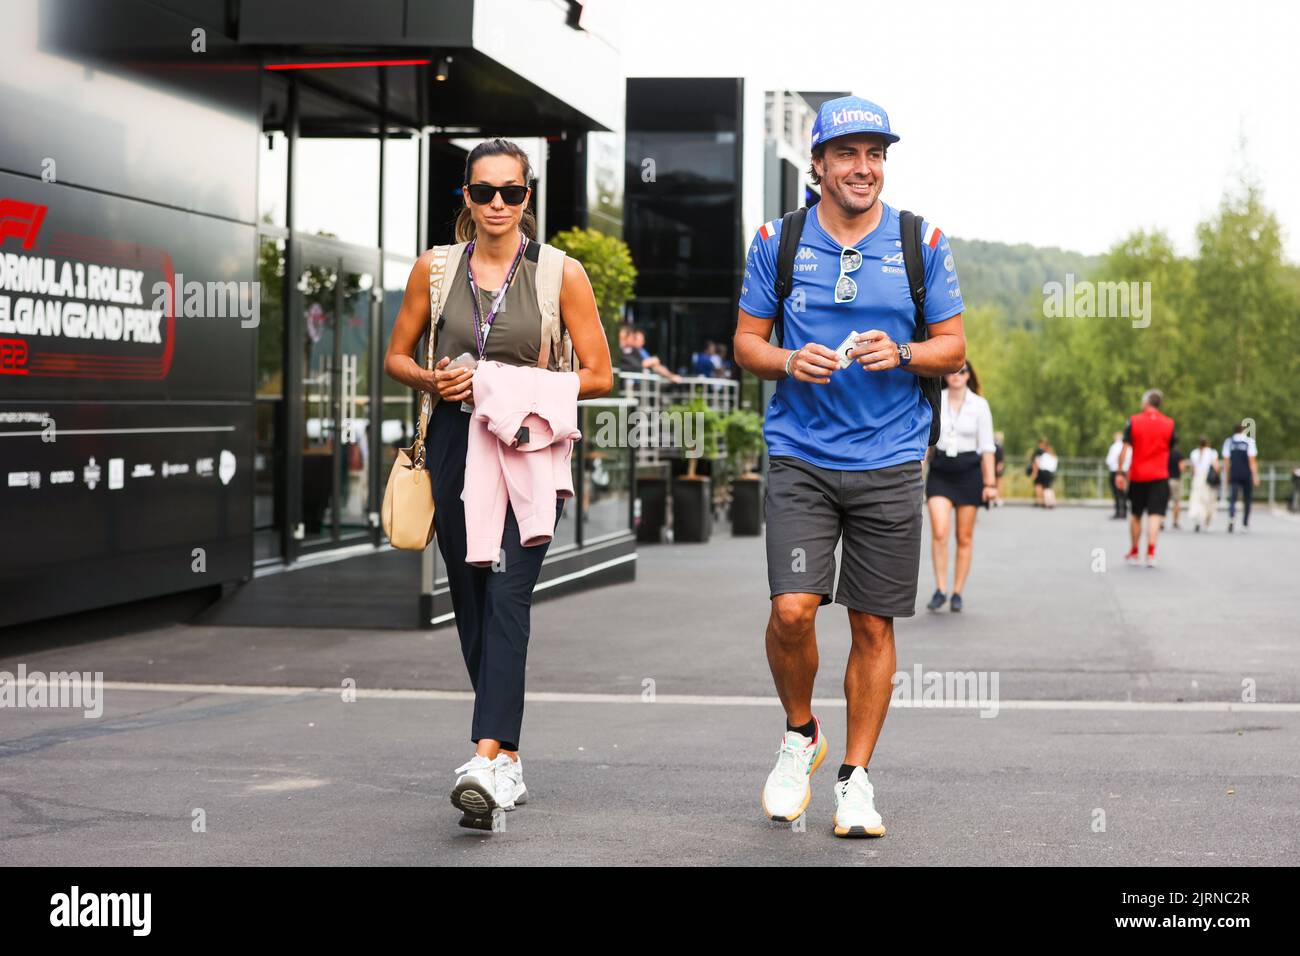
850 114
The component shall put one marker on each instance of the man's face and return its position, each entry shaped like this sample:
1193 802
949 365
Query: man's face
852 171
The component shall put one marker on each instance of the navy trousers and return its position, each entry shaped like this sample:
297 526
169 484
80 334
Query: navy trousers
1246 489
492 605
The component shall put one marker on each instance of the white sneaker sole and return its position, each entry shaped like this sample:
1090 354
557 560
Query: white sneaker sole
857 831
474 800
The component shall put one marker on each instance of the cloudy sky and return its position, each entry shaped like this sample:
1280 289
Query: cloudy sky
1055 123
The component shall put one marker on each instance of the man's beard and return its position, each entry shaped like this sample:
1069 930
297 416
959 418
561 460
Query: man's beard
852 203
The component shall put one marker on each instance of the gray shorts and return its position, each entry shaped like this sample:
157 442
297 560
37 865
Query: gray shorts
878 512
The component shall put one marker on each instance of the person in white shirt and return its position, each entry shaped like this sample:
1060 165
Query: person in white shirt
962 478
1205 490
1044 474
1240 461
1113 465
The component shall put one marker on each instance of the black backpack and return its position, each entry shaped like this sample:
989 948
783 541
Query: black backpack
911 225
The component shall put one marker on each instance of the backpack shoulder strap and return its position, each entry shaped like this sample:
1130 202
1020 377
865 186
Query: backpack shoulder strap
791 232
911 225
554 338
442 268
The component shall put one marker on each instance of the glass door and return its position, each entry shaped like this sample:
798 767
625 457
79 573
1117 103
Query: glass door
357 437
335 292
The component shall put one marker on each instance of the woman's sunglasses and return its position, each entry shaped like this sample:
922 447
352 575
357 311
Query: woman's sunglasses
483 193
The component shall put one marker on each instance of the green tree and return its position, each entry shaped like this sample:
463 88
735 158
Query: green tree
609 267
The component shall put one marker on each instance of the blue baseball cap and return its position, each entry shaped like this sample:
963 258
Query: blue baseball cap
850 114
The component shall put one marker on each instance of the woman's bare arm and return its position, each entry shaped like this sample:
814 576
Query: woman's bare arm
581 318
412 321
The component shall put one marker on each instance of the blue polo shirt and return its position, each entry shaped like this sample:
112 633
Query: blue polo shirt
860 420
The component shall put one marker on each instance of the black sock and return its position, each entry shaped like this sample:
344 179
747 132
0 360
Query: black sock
846 771
808 729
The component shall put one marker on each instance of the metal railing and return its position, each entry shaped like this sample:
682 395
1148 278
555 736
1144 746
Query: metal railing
1087 478
653 394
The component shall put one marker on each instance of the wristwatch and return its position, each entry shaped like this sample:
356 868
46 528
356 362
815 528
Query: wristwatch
904 354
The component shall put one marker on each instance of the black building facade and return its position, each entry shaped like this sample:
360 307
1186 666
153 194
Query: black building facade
684 180
208 213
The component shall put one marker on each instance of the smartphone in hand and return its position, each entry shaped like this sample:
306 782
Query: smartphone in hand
845 347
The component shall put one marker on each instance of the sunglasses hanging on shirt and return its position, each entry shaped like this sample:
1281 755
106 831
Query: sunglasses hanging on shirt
846 290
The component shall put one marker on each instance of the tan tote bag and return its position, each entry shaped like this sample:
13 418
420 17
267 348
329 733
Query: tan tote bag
407 512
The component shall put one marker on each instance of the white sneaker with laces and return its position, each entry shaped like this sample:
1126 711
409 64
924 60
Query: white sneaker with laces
475 793
511 791
855 807
789 786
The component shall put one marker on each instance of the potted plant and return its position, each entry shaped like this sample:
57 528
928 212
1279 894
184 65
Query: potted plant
744 431
652 503
700 429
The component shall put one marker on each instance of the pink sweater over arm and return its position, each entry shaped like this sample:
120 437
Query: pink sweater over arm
499 468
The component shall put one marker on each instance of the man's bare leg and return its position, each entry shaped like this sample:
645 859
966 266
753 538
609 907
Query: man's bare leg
868 683
792 652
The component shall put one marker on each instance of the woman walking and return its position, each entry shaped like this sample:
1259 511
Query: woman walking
491 313
1205 485
1044 475
962 478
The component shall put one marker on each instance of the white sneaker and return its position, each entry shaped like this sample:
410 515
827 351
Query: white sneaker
789 786
475 793
855 807
511 791
1151 560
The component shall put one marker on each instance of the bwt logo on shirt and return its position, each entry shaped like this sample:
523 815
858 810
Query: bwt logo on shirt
840 117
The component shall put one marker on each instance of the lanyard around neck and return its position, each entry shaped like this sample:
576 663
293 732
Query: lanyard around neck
483 326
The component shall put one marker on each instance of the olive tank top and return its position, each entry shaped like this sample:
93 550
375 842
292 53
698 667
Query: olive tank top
515 336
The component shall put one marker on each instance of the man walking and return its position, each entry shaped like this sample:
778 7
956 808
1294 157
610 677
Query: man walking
1243 475
845 444
1147 440
1113 465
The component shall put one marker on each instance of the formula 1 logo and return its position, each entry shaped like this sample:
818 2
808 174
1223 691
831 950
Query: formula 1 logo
73 306
22 220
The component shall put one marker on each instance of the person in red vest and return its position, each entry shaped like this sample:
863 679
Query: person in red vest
1147 440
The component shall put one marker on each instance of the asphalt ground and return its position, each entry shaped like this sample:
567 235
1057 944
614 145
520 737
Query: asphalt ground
1142 716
